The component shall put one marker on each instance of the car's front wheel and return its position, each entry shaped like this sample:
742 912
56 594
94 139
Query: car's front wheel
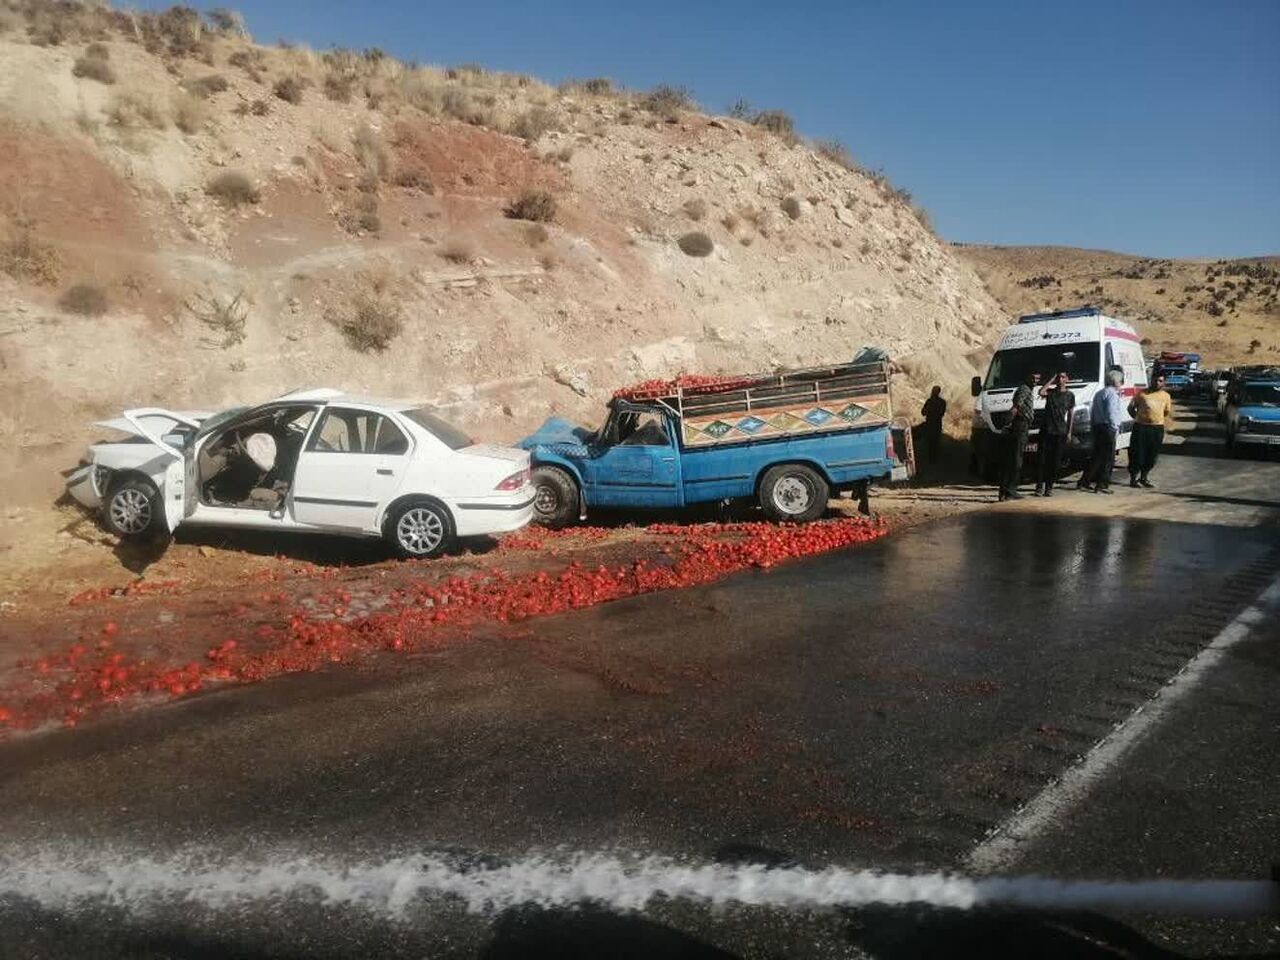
419 530
133 509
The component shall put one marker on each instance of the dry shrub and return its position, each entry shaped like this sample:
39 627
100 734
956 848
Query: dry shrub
251 60
369 322
776 121
791 207
190 113
85 299
565 154
535 234
533 123
836 152
695 208
413 178
226 316
596 86
289 88
536 205
548 261
24 256
136 110
206 86
696 244
93 68
457 251
232 188
668 102
370 151
729 222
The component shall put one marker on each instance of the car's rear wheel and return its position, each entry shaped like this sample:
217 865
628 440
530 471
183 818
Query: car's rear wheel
793 493
555 501
133 509
419 530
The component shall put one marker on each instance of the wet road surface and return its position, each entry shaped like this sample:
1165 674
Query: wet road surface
882 706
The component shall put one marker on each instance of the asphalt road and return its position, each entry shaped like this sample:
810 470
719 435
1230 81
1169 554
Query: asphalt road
888 706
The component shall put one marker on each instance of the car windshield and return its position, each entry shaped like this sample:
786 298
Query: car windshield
441 429
1262 394
218 419
1010 367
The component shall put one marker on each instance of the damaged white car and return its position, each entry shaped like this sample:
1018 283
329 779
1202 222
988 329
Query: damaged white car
316 460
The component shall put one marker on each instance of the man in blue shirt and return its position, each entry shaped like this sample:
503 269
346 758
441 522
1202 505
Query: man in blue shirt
1105 418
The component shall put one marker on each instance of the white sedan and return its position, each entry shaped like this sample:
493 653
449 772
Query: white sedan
315 460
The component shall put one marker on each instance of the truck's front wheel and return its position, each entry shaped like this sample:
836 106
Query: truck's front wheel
555 502
793 493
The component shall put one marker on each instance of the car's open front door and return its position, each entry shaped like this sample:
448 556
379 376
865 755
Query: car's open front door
159 426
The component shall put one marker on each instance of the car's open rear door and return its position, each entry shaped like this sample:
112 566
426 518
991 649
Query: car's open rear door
156 424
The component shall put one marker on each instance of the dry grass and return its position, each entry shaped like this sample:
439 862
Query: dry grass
24 256
791 207
668 102
535 234
536 205
457 250
548 261
206 86
232 188
136 109
696 244
413 178
836 152
94 67
289 88
85 299
535 122
371 152
369 322
223 315
190 113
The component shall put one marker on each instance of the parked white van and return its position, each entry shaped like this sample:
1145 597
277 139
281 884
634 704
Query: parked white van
1084 342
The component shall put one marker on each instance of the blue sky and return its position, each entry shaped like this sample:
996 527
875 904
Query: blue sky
1147 127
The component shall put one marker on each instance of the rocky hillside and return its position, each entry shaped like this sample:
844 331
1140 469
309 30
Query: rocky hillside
1228 310
190 219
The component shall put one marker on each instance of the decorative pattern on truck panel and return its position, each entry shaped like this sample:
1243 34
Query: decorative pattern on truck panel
704 431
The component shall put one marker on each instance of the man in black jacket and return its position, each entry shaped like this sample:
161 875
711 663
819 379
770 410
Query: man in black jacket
1059 406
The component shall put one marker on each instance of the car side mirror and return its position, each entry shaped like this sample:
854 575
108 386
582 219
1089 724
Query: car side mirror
975 386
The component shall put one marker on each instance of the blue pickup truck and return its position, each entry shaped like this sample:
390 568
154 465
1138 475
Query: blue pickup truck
787 440
1253 412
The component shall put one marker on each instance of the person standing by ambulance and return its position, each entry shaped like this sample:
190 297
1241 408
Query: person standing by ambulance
1059 406
1022 412
1106 416
1152 413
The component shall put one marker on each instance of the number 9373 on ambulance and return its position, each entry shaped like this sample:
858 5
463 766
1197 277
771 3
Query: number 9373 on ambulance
1085 344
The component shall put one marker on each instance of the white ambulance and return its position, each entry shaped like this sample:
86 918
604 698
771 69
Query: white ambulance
1085 343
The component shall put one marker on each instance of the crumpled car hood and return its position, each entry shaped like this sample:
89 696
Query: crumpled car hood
566 438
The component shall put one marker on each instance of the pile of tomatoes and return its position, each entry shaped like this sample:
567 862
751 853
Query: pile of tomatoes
93 673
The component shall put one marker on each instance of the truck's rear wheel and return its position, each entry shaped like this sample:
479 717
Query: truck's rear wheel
555 500
793 493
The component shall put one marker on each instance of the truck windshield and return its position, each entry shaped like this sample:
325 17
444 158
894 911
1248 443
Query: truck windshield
1010 367
1262 394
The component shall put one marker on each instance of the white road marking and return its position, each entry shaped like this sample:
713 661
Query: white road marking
1005 844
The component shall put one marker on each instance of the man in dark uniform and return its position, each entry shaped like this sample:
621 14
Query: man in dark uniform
1059 406
934 409
1024 407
